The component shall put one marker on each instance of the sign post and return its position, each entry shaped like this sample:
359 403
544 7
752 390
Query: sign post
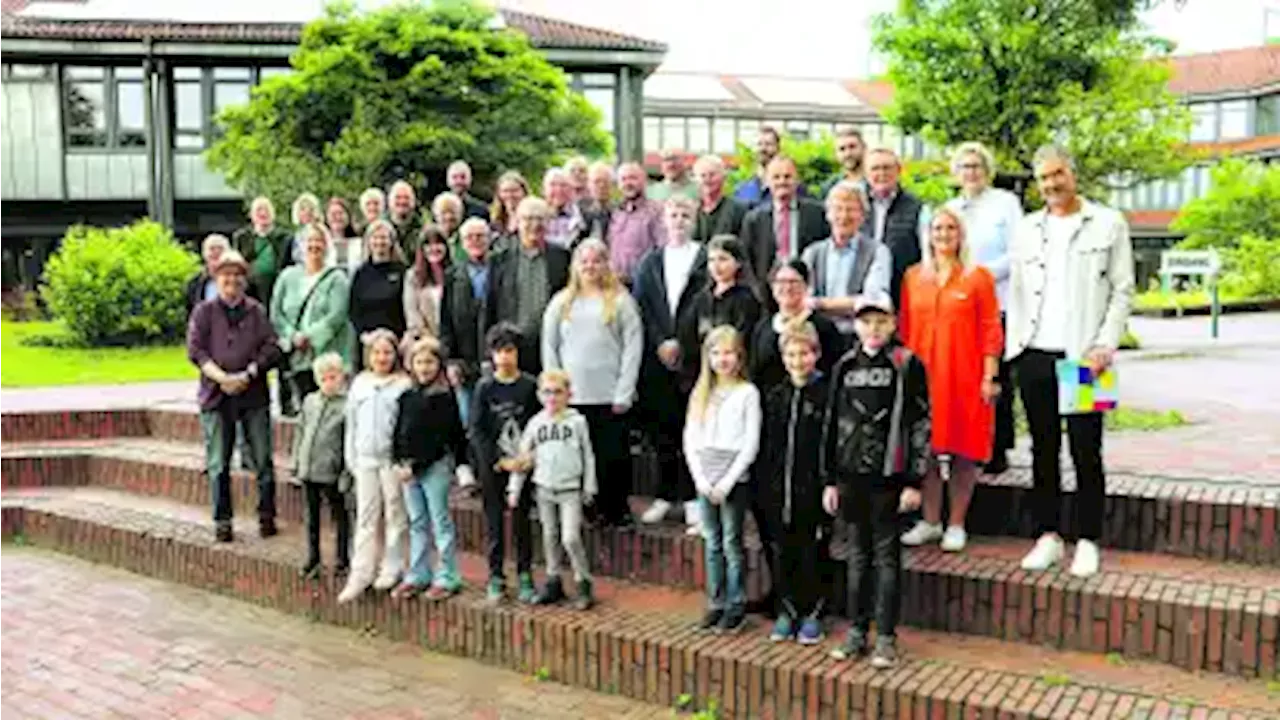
1195 263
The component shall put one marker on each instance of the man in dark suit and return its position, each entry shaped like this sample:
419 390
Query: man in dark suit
523 280
717 213
782 228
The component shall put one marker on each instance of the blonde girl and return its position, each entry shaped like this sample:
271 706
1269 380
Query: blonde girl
721 438
372 409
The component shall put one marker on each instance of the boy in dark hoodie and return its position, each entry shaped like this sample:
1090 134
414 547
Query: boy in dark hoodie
875 450
788 485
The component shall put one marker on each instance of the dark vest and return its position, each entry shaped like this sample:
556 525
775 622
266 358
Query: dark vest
902 237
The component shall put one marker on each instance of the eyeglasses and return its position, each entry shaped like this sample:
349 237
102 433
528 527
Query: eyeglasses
551 391
971 166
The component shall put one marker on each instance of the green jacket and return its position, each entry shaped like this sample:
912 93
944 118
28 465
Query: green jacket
318 441
266 254
324 321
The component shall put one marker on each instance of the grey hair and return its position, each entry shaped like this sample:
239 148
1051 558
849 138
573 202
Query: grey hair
373 193
533 204
396 251
263 201
554 173
1045 153
470 223
848 188
326 362
458 165
406 185
885 150
974 148
575 162
600 167
214 239
446 198
710 162
302 201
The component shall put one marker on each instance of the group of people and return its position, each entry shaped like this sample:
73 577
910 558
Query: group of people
516 348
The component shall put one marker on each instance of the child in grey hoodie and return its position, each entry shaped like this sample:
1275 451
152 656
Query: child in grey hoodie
556 446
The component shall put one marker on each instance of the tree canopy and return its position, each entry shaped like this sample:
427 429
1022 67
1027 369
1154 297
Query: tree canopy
401 92
1243 200
1016 74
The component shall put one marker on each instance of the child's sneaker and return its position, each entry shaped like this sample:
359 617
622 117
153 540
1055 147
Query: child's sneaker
526 592
731 621
436 593
810 631
954 539
886 653
711 620
923 533
783 628
552 593
494 593
585 599
656 513
854 646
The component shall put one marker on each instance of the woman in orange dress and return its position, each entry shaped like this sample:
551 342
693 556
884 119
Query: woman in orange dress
950 318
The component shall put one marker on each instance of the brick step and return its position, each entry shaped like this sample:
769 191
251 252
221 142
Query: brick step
1194 614
1230 522
639 642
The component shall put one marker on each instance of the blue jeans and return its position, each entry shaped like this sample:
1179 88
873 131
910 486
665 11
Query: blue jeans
463 394
426 499
218 427
722 540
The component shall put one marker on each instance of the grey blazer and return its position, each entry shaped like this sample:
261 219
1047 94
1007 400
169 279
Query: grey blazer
318 441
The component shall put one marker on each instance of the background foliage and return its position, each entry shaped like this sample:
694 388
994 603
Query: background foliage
119 286
1243 200
401 92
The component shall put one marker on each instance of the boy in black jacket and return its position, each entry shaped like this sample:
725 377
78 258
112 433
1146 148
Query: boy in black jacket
875 451
788 485
500 408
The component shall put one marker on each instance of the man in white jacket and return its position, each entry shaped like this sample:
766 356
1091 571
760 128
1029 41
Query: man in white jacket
1071 281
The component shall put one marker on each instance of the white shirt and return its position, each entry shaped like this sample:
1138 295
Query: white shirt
1051 334
677 265
725 441
990 220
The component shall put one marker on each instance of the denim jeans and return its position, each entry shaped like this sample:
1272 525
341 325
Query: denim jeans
218 426
725 561
426 498
874 559
463 394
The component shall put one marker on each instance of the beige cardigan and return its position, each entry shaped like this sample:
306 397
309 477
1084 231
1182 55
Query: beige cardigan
421 308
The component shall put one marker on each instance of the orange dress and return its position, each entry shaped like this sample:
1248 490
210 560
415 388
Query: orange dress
951 328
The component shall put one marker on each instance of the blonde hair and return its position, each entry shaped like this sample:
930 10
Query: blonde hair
303 201
316 228
978 149
707 378
556 377
263 201
928 254
325 363
426 344
446 198
372 194
396 251
371 339
610 288
801 331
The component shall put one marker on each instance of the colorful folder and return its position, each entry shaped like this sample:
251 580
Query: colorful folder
1081 389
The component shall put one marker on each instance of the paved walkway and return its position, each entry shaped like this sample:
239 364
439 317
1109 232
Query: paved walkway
87 641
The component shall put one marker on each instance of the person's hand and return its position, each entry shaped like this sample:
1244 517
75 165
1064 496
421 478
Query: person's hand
588 499
1100 358
513 500
831 499
300 341
466 478
669 353
717 495
620 409
235 384
402 472
814 303
910 500
522 462
990 390
344 482
454 372
703 488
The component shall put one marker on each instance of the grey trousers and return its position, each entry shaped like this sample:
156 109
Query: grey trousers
560 513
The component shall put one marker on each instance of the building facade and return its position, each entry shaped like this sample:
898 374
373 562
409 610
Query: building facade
106 120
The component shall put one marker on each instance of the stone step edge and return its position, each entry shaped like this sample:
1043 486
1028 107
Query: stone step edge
615 652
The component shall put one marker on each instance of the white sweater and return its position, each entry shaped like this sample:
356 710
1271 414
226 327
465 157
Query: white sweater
372 405
721 446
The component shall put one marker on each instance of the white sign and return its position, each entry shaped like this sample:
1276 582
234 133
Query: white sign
1190 262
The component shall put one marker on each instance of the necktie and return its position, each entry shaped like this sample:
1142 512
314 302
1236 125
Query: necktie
784 232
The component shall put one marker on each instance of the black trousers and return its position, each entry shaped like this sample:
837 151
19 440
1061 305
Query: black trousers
664 424
317 494
874 559
765 509
494 489
611 443
1004 435
801 588
1038 386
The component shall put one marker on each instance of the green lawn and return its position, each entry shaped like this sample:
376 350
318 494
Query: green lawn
29 366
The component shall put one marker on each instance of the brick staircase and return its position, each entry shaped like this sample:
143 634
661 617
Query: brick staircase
1182 622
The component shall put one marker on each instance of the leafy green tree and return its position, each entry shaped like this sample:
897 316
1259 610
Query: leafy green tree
401 92
1243 200
1015 74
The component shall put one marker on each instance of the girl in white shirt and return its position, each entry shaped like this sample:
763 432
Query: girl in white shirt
721 438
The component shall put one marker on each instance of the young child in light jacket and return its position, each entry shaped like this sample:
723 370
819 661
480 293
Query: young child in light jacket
556 446
372 408
318 462
721 439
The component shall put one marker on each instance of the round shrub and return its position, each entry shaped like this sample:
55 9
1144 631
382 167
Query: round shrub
119 286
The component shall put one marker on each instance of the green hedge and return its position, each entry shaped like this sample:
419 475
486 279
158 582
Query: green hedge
119 286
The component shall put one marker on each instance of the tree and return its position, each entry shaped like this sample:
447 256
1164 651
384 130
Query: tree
400 93
1016 74
1243 200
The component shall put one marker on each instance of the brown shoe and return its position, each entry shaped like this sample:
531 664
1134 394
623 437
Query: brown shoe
267 527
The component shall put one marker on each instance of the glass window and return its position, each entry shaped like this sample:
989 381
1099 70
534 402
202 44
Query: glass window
28 72
233 73
85 95
889 137
1235 120
723 139
131 125
673 133
602 99
600 80
1268 121
1203 122
268 72
652 134
699 135
871 134
189 113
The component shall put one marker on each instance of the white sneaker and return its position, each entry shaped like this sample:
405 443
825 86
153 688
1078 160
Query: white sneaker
922 533
1046 553
386 582
351 591
693 517
1086 560
954 539
656 513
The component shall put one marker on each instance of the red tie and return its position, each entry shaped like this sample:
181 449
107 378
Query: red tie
784 232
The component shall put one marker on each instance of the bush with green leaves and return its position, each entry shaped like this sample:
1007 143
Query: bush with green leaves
119 286
1252 268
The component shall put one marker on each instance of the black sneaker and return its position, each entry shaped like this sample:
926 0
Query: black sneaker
732 621
310 571
998 463
585 600
711 620
854 646
267 528
223 533
551 594
886 653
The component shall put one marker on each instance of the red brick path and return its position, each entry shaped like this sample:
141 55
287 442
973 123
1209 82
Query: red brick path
86 641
